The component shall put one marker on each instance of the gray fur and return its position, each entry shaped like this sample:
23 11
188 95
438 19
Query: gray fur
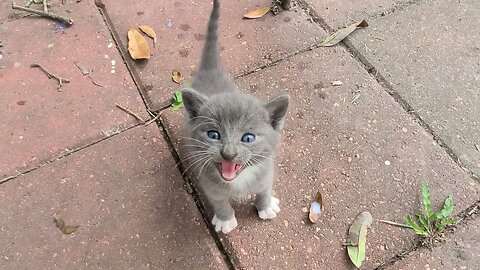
214 103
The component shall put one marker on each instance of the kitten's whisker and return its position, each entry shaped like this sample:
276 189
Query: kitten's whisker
191 156
262 156
209 108
204 164
195 162
206 117
204 123
196 145
196 140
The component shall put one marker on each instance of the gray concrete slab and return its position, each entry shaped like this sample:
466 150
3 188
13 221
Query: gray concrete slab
430 54
362 152
130 202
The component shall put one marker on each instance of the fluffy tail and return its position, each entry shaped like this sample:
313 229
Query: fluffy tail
210 49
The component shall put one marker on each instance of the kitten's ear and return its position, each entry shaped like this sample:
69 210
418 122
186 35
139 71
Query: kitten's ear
277 109
193 101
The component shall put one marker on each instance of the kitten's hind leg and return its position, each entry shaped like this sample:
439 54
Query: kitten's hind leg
267 205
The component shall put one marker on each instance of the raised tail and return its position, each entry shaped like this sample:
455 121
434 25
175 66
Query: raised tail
210 50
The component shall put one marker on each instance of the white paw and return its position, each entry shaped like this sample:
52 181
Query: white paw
271 211
225 226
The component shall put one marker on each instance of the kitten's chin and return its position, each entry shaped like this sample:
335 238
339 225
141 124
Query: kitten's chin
229 170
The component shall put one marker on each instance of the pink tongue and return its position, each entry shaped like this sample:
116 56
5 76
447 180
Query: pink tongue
229 170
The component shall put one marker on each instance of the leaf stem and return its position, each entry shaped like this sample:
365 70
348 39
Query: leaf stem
394 223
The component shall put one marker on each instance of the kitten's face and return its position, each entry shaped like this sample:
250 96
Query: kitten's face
230 132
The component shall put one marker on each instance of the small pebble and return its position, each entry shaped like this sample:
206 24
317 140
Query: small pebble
387 162
110 45
113 62
106 56
112 71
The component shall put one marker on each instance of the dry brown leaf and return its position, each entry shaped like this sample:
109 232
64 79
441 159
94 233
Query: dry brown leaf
149 32
66 229
177 76
59 222
342 33
137 45
254 14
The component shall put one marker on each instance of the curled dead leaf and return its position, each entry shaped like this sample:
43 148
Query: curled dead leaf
137 45
258 13
149 32
66 229
316 208
177 76
357 236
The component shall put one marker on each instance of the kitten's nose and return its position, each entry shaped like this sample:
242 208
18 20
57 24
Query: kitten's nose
228 153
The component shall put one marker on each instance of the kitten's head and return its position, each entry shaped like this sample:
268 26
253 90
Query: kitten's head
231 131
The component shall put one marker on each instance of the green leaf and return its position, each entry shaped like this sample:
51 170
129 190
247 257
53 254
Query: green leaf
424 222
177 100
447 209
440 225
416 227
357 235
426 200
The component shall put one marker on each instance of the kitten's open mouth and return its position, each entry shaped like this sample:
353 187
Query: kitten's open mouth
229 170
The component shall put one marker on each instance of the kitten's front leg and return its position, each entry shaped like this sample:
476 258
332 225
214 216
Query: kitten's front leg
224 218
267 205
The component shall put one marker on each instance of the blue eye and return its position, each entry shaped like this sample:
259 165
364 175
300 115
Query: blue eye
213 134
248 138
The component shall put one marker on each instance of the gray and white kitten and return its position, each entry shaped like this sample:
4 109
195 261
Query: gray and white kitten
231 137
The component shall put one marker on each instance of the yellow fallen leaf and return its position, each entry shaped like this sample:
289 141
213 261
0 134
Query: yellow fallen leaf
149 32
137 45
177 76
254 14
69 229
66 229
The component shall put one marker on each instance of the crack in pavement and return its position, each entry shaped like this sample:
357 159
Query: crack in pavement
68 152
464 216
161 125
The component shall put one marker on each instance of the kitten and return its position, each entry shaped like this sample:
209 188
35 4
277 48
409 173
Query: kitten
231 137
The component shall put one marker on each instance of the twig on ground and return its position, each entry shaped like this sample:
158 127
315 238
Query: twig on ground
130 112
44 14
82 68
94 82
394 223
50 75
45 7
355 97
153 119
